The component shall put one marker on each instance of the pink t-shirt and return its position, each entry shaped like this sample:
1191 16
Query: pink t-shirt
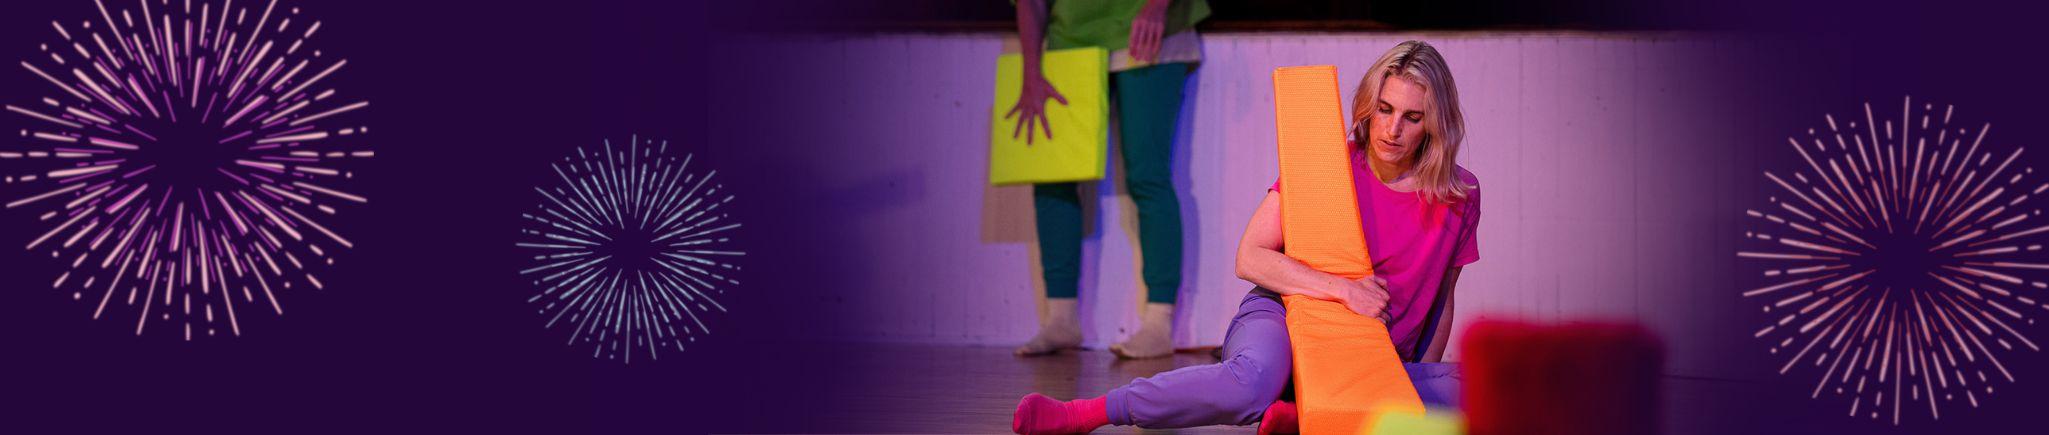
1413 243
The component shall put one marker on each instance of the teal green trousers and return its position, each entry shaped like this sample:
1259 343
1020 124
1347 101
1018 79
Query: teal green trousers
1148 110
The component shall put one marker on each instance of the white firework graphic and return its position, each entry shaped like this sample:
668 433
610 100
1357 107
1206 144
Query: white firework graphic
1905 259
631 249
186 156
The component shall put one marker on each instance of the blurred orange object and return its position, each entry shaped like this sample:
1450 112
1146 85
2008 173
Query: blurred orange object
1346 369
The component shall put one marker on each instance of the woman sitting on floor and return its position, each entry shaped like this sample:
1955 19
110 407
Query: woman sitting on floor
1419 210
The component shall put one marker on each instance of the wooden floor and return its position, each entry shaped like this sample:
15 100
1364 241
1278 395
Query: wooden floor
960 389
975 389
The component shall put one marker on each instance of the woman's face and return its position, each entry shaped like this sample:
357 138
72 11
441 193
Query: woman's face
1395 128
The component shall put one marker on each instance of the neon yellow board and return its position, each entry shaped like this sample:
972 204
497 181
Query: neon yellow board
1081 132
1405 423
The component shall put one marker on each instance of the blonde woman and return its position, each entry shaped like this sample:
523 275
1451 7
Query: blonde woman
1420 213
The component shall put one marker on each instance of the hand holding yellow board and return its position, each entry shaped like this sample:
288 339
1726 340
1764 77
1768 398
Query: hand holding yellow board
1080 144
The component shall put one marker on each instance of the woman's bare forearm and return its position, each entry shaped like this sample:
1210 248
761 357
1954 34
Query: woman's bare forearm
1260 259
1440 340
1031 26
1283 274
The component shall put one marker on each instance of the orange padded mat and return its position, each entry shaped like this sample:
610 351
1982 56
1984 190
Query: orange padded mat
1346 369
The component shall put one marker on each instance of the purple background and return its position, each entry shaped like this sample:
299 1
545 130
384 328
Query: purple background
424 326
1958 53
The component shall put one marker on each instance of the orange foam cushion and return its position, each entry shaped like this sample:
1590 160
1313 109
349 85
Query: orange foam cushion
1346 369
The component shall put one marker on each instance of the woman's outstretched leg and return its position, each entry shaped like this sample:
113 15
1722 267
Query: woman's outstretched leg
1235 391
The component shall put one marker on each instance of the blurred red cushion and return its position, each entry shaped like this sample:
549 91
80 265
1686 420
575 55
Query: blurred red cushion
1576 378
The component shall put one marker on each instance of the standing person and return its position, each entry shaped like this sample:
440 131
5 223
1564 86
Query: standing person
1153 45
1420 212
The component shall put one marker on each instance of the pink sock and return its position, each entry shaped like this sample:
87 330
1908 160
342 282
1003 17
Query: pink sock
1278 419
1038 414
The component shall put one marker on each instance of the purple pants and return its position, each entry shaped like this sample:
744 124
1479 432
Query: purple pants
1254 373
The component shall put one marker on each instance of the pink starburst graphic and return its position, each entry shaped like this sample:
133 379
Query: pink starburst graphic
631 249
186 158
1904 260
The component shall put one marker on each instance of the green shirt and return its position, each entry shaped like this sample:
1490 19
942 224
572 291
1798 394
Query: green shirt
1107 23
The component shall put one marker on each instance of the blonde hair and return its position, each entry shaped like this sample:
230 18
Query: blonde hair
1444 127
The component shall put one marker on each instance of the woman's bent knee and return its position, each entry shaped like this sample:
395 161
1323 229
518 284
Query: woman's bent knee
1259 383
